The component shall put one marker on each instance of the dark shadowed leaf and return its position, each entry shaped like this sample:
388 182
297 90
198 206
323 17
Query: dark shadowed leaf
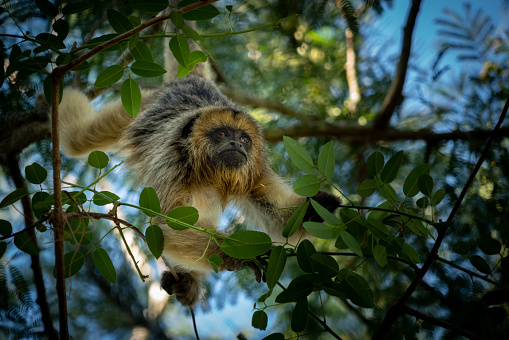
149 6
259 320
304 252
375 163
300 316
326 160
180 49
147 69
149 200
35 173
480 264
277 262
155 240
24 243
98 159
119 22
410 188
295 221
391 168
73 262
489 245
13 197
103 262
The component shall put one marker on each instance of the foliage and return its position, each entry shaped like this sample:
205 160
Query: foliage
361 259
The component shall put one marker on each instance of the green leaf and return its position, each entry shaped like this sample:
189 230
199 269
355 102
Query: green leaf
410 188
378 229
76 7
326 160
203 13
141 52
375 163
438 196
73 262
351 242
489 245
24 243
155 240
415 225
325 264
409 251
215 261
188 215
103 263
13 197
480 264
149 200
130 95
119 22
229 8
296 291
327 216
3 248
5 228
304 252
391 168
300 316
295 221
320 230
425 184
380 255
191 33
357 290
195 57
277 262
298 154
260 320
98 159
62 28
177 19
246 244
109 76
35 173
461 248
104 197
353 221
388 192
47 8
307 185
335 289
133 41
422 202
147 69
180 49
102 39
149 6
367 188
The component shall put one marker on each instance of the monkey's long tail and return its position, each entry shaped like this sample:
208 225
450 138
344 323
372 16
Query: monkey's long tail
83 130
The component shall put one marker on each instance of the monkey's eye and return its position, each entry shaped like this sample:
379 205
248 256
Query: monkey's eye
222 134
245 139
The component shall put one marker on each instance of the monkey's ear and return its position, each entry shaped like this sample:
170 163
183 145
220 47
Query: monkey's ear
186 131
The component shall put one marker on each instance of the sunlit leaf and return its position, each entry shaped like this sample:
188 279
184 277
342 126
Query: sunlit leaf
130 95
298 154
149 200
307 185
295 221
98 159
109 76
326 160
188 215
320 230
180 49
215 261
147 69
104 197
246 244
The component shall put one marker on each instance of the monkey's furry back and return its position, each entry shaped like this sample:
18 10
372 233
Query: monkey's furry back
155 141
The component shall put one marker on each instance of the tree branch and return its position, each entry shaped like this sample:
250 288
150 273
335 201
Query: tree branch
19 182
398 308
394 94
369 133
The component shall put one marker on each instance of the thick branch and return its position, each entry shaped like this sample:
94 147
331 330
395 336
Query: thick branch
369 133
12 163
394 94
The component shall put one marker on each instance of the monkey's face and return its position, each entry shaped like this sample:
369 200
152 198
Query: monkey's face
232 147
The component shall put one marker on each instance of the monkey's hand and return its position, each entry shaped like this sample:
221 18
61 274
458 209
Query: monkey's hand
186 288
233 264
328 201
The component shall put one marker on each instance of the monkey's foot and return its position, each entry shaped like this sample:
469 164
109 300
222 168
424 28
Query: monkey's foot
186 288
233 264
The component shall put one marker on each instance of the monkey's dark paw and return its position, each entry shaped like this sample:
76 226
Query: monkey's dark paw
326 200
186 288
233 264
41 104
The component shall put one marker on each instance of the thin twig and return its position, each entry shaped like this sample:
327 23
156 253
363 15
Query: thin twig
194 323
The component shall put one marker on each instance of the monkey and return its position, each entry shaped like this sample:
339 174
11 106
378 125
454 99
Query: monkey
195 148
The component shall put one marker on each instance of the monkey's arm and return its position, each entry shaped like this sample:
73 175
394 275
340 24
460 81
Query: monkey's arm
83 130
268 204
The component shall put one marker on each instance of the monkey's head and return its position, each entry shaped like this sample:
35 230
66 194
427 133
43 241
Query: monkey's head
227 147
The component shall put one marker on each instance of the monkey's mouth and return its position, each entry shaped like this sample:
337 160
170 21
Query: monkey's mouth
232 158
